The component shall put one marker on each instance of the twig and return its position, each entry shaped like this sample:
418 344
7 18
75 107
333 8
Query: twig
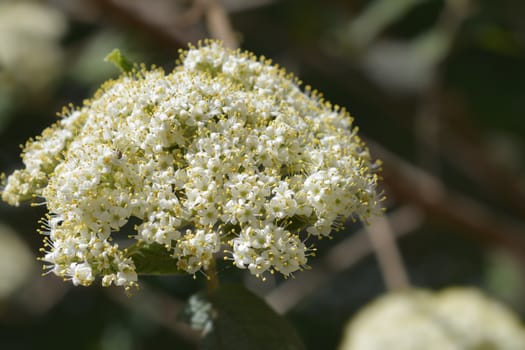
388 255
193 15
217 21
155 31
212 282
219 24
475 219
465 151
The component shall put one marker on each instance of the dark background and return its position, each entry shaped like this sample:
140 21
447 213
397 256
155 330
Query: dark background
437 89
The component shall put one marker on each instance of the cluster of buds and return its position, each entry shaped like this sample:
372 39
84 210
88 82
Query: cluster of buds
224 155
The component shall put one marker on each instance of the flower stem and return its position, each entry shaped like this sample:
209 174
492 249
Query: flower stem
213 280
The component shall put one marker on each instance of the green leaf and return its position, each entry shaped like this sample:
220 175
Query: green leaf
119 60
153 259
376 17
241 321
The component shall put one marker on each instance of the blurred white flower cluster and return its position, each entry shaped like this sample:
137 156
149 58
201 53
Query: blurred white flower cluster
454 319
30 52
17 264
226 150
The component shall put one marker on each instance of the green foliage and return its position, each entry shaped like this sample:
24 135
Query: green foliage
241 321
153 259
119 60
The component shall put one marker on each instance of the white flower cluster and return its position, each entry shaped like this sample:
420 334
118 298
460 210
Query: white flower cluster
30 53
224 150
454 319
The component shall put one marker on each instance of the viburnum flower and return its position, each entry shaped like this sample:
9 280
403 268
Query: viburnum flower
456 318
224 155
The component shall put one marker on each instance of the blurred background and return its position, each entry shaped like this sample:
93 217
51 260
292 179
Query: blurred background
437 88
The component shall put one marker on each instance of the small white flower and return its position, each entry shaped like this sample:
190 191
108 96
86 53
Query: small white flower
81 274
